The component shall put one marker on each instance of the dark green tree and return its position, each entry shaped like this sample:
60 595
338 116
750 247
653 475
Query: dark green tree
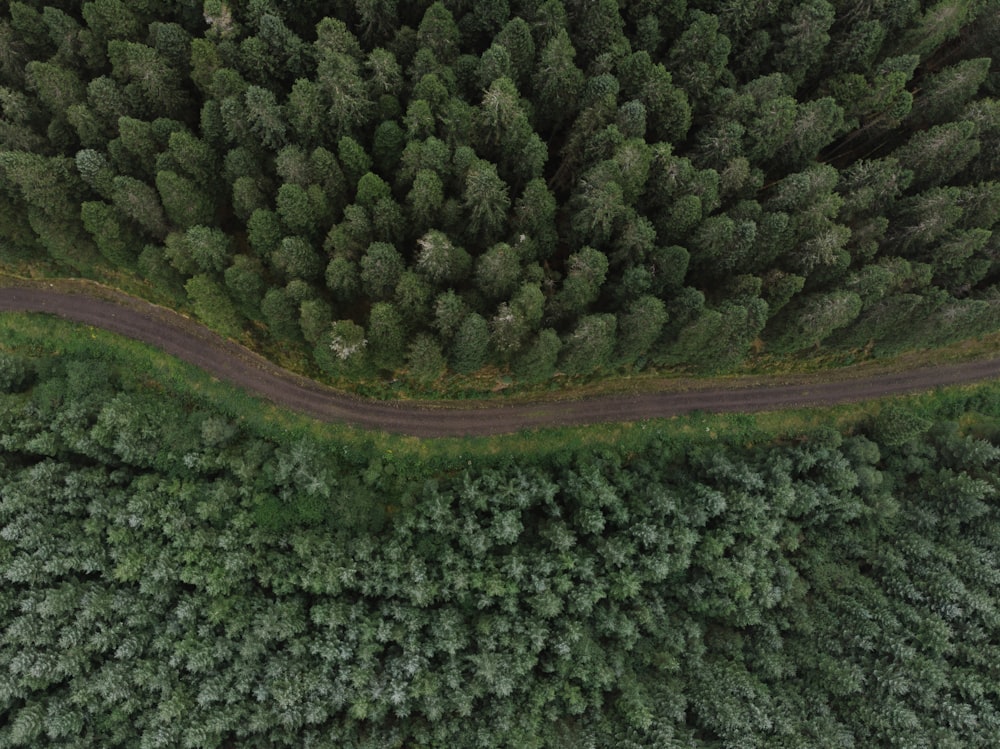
470 345
151 85
244 279
264 231
425 362
486 201
354 160
303 210
58 88
440 260
387 147
937 154
537 362
698 58
314 319
185 203
111 232
557 82
281 313
381 268
342 350
639 326
352 235
306 110
589 347
343 280
140 202
386 336
586 271
450 311
213 306
515 37
811 318
264 118
948 91
804 37
425 199
296 258
498 271
438 33
413 297
248 195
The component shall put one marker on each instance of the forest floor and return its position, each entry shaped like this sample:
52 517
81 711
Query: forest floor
226 360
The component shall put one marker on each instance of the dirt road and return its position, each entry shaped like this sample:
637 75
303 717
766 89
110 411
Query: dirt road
233 363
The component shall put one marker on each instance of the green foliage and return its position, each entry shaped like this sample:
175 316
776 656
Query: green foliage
281 314
586 271
639 327
557 79
111 233
744 578
296 258
589 346
634 151
537 362
139 202
425 362
314 317
381 267
341 350
342 279
303 210
936 154
812 318
185 203
244 281
386 336
895 426
469 347
213 306
264 231
440 260
16 373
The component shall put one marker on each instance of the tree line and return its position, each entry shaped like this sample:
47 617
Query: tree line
533 186
175 577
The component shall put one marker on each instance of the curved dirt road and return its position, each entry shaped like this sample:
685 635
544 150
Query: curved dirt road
233 363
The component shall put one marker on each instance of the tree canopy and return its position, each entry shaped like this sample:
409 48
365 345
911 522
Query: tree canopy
624 159
179 576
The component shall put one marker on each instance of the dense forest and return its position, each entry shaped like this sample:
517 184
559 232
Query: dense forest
524 188
527 186
174 577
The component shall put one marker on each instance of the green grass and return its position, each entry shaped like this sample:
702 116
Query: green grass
40 336
16 264
492 382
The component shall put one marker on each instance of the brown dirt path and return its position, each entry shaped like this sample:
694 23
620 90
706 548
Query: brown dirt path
226 360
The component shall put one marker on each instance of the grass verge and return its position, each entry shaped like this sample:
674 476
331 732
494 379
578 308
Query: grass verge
492 383
978 408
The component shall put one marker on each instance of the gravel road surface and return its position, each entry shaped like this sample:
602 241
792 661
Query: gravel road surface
233 363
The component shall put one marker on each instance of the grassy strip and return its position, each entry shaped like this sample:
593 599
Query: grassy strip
42 335
819 364
22 266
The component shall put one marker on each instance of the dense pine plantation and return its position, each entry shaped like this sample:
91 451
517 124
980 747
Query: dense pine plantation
522 188
407 189
237 591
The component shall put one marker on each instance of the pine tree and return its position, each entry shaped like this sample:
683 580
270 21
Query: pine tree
386 336
440 260
470 344
213 306
342 350
381 268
